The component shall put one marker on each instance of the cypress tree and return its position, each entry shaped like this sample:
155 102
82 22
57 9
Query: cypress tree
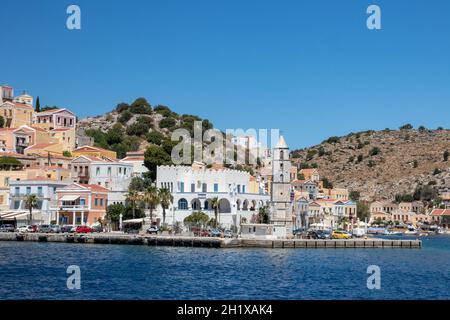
38 105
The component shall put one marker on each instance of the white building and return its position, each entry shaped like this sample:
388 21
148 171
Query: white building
44 189
112 175
193 187
137 160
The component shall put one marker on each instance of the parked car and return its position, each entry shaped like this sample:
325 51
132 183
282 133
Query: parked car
97 228
7 228
215 233
45 228
339 234
26 229
153 230
323 234
228 234
67 229
204 233
83 229
55 228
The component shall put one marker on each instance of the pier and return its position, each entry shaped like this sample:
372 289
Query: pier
207 242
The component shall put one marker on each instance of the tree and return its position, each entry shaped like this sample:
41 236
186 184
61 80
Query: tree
363 210
125 117
407 126
446 155
165 199
113 212
121 107
8 163
167 123
155 137
67 154
136 184
197 218
152 199
215 206
133 199
141 106
422 129
155 156
31 202
354 195
263 214
327 184
374 151
138 129
300 176
2 122
38 105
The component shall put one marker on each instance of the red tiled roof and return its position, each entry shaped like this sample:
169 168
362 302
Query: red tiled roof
94 187
40 146
61 129
132 158
440 212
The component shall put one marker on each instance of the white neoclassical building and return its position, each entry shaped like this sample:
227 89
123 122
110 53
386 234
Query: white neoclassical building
194 186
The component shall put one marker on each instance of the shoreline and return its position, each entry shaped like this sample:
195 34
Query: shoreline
207 242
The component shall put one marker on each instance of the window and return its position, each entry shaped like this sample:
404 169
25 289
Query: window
6 181
120 170
82 202
101 202
39 191
192 187
96 202
181 186
182 204
204 187
28 190
239 188
109 171
216 187
243 189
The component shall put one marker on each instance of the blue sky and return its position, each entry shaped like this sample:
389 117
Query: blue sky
309 68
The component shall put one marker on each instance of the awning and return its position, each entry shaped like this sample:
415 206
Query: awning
69 197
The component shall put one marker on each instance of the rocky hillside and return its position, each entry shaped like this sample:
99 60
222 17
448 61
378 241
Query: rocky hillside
135 126
382 164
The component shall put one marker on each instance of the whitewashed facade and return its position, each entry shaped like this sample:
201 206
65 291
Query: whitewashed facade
193 189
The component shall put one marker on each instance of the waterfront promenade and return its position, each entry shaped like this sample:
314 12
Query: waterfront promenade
207 242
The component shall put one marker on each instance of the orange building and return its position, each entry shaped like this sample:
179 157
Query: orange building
81 204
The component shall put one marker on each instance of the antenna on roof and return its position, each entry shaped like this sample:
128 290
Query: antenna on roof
48 158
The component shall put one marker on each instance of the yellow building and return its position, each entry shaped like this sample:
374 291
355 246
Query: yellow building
94 152
16 114
65 136
6 140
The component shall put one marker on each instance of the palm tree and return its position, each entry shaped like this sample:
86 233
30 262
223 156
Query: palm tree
133 198
151 197
165 199
31 202
263 214
215 206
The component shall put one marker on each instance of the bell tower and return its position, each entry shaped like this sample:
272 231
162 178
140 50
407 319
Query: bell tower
281 206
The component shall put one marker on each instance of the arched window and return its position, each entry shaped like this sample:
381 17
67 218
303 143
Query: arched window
281 155
182 204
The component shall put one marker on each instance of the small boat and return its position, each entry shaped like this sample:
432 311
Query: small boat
392 233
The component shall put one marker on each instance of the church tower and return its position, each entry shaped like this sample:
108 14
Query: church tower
281 206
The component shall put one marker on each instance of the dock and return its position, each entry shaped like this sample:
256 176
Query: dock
207 242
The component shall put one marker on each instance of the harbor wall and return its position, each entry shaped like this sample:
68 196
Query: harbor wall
206 242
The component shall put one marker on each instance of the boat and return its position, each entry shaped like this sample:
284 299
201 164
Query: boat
392 233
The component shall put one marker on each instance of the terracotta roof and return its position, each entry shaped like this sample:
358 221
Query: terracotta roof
132 158
91 148
94 187
15 155
308 170
440 212
40 146
61 129
39 129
